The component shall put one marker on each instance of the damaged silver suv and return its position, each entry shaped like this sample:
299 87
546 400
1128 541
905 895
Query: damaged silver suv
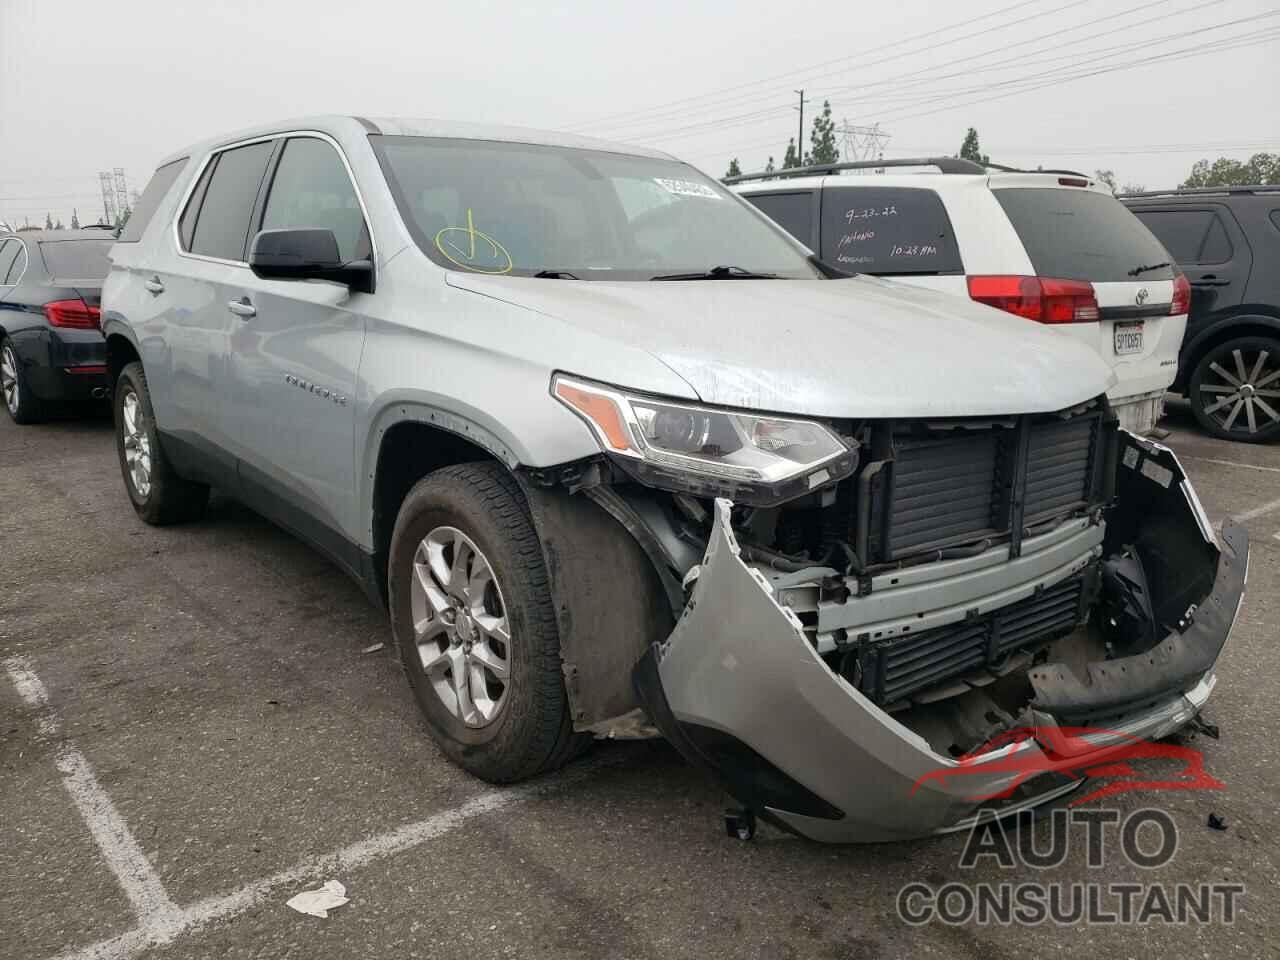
622 459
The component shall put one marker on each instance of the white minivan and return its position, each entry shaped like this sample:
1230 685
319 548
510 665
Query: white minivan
1052 246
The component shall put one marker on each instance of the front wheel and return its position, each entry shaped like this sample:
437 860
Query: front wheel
1235 390
475 624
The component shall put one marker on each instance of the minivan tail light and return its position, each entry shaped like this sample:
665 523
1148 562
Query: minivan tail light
1181 295
1041 299
72 314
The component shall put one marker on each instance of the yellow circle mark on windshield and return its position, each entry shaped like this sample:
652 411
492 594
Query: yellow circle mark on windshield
473 250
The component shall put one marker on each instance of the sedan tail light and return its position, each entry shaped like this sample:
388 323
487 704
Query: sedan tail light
1041 299
1181 295
73 314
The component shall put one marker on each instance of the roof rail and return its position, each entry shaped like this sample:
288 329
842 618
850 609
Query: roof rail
1068 173
1206 191
944 164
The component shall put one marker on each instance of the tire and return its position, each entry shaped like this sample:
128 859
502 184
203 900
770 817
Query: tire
15 392
164 497
529 730
1235 390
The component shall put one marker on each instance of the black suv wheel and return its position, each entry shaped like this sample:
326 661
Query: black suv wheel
1235 389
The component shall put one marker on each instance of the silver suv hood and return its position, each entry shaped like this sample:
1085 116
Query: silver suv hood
836 348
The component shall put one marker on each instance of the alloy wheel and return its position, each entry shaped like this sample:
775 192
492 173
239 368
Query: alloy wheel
9 379
137 444
460 626
1242 391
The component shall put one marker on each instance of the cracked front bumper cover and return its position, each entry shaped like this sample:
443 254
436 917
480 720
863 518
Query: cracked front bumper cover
740 691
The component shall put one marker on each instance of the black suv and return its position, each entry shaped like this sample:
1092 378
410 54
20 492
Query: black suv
1227 241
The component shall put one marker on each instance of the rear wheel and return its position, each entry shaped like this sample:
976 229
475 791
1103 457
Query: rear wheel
475 625
158 494
14 389
1235 390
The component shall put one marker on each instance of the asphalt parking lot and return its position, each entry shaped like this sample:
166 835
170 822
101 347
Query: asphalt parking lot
191 733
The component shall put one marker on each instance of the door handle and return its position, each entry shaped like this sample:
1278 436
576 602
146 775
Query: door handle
242 308
154 285
1209 280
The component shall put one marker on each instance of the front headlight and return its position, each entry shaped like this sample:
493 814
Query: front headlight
753 458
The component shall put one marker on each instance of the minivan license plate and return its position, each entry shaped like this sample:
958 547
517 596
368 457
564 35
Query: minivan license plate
1129 337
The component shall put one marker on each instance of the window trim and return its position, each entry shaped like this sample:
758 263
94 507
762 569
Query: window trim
26 261
260 200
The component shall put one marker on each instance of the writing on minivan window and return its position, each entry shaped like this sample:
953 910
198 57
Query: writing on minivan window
473 249
866 213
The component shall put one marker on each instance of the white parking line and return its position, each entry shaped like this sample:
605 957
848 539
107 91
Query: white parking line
160 920
1229 463
137 877
1258 511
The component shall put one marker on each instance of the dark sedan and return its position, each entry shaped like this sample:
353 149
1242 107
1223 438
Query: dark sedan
52 352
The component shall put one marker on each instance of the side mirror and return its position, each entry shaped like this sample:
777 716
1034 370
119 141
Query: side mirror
307 254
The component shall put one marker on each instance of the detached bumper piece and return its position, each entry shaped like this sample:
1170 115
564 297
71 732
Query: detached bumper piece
741 691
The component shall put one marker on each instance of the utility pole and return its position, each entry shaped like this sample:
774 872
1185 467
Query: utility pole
800 136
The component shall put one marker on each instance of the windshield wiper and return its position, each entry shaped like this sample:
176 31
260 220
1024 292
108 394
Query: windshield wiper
718 273
1155 266
554 275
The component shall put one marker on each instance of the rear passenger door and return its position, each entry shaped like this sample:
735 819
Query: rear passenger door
295 352
1208 244
210 273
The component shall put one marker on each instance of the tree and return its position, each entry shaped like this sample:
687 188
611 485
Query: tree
1132 187
1106 176
734 170
58 225
1261 168
121 220
970 150
822 139
790 158
769 167
75 219
48 222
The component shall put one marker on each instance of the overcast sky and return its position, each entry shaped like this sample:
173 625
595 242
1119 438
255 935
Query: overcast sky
87 86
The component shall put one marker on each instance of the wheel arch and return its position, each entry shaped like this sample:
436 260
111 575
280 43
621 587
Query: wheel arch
609 592
121 350
1250 321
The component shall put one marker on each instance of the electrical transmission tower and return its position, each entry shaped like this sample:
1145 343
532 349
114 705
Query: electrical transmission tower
861 142
122 192
109 209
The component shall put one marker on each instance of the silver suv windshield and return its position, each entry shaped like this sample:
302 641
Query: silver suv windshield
519 209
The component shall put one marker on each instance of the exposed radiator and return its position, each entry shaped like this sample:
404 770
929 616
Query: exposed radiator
893 670
953 483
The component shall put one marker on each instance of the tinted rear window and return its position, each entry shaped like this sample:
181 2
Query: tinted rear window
793 212
1081 235
76 259
222 225
887 231
145 208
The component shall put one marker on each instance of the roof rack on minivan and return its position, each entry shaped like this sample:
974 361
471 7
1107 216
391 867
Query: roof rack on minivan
1066 173
1205 191
944 164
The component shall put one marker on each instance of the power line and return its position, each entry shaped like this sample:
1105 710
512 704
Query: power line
913 78
1228 43
604 121
1235 42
